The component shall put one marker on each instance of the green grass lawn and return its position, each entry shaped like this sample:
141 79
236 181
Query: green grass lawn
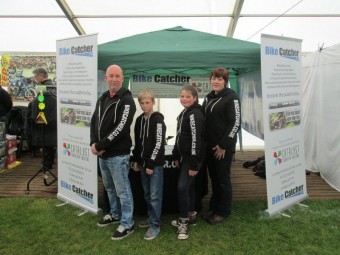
37 226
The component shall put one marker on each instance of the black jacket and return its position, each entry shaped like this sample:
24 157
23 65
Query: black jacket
5 102
111 121
223 119
190 141
150 140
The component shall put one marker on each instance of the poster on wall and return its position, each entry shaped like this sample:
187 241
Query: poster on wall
283 132
76 97
17 73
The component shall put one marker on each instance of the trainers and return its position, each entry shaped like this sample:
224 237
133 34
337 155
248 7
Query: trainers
121 233
107 220
183 229
192 220
151 233
144 224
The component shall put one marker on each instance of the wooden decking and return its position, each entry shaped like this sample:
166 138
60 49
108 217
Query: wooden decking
13 183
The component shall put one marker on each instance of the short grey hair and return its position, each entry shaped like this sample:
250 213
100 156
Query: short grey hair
40 71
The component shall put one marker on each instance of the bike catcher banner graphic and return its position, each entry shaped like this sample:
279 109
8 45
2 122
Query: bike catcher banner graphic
283 132
76 96
169 86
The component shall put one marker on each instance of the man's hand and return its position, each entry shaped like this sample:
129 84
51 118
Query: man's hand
95 152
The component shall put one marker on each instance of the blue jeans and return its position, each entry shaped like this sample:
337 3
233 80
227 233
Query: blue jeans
115 174
219 172
153 194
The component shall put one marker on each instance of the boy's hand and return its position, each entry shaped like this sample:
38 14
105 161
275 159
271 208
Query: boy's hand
135 167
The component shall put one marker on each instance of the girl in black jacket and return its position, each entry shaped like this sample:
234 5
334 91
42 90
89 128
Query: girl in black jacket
188 153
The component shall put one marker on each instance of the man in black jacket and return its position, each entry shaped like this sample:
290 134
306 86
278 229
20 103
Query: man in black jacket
111 141
43 135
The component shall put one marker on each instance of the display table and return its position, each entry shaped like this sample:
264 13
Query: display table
171 173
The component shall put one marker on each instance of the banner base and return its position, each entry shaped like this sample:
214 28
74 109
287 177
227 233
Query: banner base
97 211
280 210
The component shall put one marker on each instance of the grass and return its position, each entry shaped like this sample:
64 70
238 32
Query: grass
37 226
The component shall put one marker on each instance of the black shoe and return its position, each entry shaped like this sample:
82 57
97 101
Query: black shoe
207 215
107 220
121 233
216 219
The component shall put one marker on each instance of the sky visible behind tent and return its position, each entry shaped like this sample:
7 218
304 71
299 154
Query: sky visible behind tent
39 34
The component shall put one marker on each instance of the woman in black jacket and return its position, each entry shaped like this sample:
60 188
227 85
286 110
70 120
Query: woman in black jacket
223 121
189 154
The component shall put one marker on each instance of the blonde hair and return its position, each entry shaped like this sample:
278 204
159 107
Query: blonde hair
146 93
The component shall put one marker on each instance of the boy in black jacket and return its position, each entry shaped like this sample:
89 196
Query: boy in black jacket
149 157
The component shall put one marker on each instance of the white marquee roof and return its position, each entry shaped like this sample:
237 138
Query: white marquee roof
35 25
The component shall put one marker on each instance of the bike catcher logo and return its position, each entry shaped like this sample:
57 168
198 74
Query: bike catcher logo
81 50
290 193
76 151
282 52
83 193
285 155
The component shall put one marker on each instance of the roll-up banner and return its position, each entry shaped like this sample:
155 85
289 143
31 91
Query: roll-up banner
283 132
76 96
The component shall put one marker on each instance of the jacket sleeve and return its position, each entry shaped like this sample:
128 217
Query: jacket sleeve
196 125
158 145
234 117
125 113
93 124
137 150
7 101
51 111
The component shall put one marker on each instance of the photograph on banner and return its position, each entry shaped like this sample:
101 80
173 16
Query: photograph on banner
169 86
76 117
284 119
17 73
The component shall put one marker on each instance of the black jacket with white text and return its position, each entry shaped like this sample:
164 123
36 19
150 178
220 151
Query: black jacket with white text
150 141
190 141
111 121
223 119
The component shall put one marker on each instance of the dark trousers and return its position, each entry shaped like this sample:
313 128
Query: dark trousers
49 154
219 172
186 190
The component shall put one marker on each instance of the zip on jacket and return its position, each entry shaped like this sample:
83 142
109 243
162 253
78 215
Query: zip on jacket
149 148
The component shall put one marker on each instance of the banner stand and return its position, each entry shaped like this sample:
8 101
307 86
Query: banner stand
282 125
